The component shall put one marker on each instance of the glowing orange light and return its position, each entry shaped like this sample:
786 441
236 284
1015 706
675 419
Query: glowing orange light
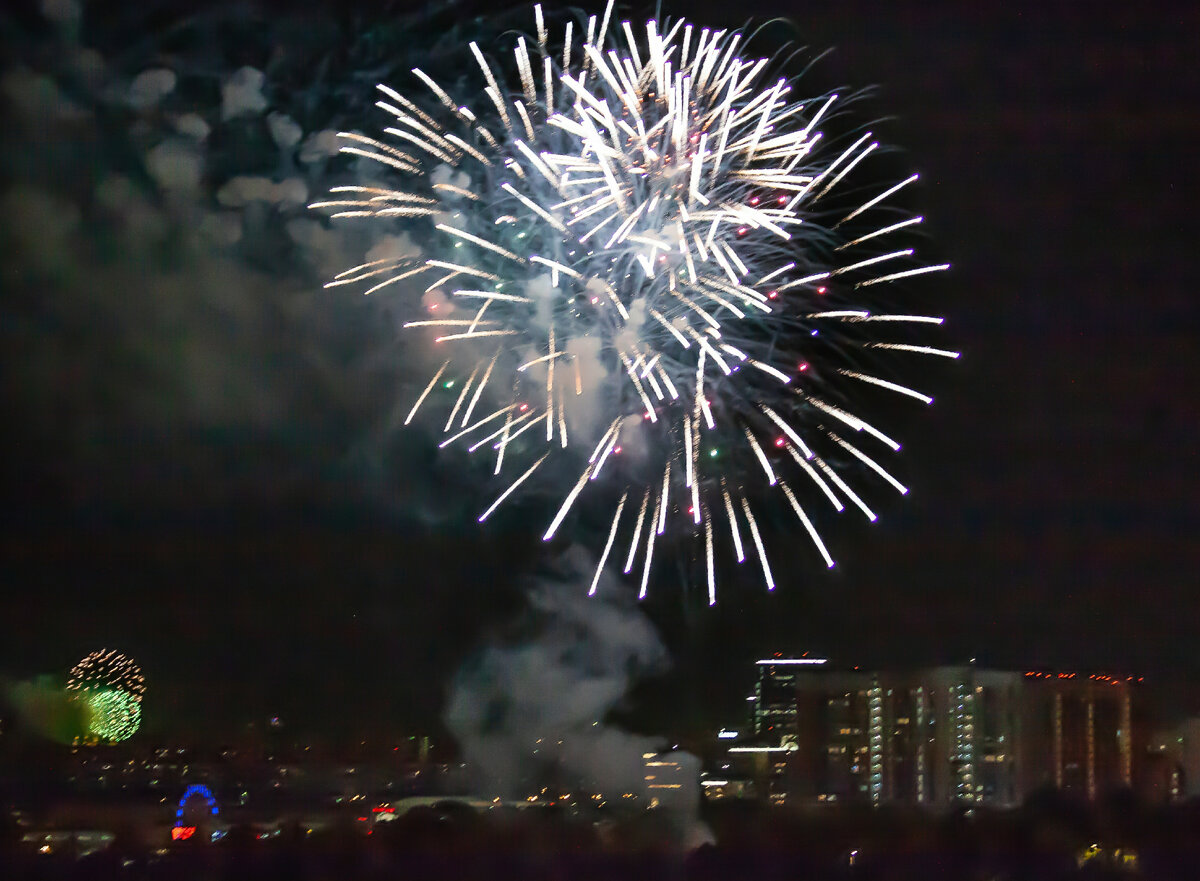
182 833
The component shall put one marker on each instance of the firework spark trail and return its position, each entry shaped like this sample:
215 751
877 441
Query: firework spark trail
651 211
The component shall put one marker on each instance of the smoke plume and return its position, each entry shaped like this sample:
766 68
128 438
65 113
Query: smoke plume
532 711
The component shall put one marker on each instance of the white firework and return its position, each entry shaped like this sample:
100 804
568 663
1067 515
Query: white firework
630 252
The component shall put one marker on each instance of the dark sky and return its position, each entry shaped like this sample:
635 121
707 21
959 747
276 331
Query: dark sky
235 537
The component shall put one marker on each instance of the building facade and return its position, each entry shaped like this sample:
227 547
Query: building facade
936 736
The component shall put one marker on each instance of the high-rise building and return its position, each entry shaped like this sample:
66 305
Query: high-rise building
1079 732
937 736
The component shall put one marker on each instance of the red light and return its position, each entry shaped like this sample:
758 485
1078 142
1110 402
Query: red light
524 407
773 295
779 442
754 200
803 366
820 290
616 449
182 833
742 230
362 819
782 200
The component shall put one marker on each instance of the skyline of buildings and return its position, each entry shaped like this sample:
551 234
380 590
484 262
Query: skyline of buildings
944 735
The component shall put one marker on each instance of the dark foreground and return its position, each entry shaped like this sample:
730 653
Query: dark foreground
1050 839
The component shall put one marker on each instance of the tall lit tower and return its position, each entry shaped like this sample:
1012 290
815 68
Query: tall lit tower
775 693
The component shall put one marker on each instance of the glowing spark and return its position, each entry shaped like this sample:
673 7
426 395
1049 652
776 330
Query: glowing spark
612 534
762 553
708 558
566 505
484 421
650 534
762 458
733 527
504 495
870 463
883 383
425 394
637 531
787 491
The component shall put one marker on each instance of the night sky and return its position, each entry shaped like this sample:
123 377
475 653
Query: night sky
193 475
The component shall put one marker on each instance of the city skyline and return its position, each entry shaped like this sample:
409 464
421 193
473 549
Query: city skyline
238 538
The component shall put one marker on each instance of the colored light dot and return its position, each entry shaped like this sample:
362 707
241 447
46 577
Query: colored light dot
779 442
448 384
803 366
712 454
820 290
524 407
616 450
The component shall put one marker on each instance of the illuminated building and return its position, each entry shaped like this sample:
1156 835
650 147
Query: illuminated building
935 736
774 697
1186 749
1079 732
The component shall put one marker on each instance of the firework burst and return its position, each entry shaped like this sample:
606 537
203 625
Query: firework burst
636 264
111 687
107 670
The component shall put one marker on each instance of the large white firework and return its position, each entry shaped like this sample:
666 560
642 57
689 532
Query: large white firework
637 268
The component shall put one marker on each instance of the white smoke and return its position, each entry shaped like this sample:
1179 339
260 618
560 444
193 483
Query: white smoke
534 712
